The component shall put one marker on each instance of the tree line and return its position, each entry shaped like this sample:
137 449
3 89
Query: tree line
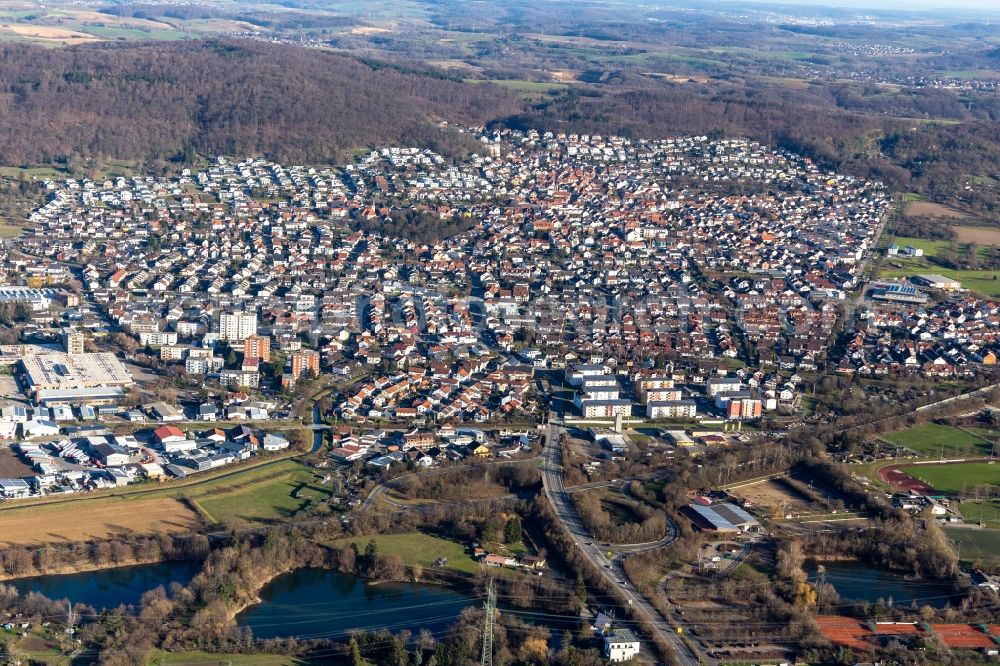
154 101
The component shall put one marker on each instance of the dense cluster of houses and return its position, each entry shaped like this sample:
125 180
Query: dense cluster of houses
380 449
950 338
76 458
577 246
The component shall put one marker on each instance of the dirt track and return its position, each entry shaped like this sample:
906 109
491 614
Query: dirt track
897 478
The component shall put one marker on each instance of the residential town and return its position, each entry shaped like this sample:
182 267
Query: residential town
687 281
249 279
452 333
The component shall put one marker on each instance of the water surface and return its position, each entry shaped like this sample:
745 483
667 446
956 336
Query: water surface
858 581
316 603
108 588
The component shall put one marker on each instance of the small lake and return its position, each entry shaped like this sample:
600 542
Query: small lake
857 581
109 587
316 603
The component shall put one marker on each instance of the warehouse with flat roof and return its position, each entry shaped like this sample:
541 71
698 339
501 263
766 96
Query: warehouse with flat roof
58 371
936 281
720 517
38 299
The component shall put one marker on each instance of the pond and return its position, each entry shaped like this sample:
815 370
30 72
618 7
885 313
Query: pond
857 581
108 588
316 603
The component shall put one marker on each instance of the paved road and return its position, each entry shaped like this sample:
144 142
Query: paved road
737 559
611 570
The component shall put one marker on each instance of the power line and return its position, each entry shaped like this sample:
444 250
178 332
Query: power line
491 605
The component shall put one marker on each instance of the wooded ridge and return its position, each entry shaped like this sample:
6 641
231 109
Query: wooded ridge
155 100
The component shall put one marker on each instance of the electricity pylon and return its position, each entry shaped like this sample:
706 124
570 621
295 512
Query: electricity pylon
491 609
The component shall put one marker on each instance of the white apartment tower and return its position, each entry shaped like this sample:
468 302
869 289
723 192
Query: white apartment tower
237 326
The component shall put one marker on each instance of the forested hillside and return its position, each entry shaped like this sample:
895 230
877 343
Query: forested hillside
155 100
160 100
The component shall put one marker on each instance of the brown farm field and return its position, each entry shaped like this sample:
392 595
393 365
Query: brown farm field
776 496
98 519
931 209
981 235
47 32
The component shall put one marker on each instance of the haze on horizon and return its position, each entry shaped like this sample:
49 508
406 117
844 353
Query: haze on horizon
988 6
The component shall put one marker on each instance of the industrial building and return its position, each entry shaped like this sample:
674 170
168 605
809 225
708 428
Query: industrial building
98 395
720 517
935 281
38 299
898 293
58 371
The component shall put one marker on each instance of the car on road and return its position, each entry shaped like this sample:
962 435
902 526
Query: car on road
607 566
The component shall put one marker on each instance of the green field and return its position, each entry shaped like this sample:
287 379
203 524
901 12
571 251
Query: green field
417 548
953 479
158 657
279 494
40 172
934 440
930 247
987 512
981 545
986 282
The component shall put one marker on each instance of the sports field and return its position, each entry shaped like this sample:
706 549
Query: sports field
418 548
982 545
987 511
956 478
934 440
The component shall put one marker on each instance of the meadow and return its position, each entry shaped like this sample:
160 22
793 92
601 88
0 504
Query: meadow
278 495
418 548
956 478
934 440
982 545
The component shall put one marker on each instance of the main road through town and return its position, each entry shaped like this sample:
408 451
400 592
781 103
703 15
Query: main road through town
611 570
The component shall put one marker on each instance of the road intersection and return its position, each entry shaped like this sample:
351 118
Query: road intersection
611 569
